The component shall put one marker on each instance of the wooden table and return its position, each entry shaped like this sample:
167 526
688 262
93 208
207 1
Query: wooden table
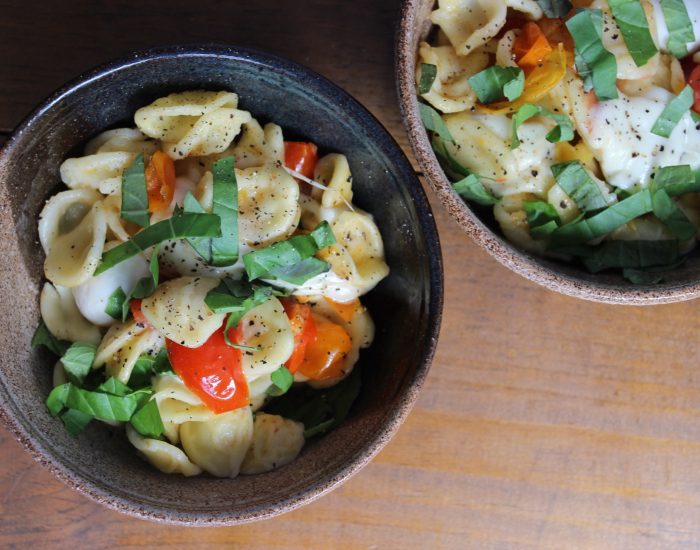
546 422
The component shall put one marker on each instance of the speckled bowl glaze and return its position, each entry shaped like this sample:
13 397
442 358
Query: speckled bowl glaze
406 306
681 284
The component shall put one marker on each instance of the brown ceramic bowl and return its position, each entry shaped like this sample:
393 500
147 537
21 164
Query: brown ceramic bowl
681 284
406 306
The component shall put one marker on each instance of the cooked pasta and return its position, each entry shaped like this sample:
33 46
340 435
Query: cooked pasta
196 278
578 127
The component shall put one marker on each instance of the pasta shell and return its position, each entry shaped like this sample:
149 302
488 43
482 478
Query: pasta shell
165 457
276 442
62 318
333 171
469 24
177 405
177 310
128 140
101 171
259 146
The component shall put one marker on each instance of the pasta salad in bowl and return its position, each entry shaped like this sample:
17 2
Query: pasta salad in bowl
198 266
572 129
229 322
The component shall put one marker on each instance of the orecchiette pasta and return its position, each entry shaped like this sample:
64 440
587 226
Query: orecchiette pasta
470 24
170 313
193 123
276 442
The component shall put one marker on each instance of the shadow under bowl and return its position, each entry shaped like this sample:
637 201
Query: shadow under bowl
683 283
406 306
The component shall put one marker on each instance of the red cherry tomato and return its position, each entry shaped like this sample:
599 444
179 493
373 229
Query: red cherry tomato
301 157
139 317
694 81
304 330
213 371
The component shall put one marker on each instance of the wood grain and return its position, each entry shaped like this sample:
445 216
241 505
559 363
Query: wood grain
546 422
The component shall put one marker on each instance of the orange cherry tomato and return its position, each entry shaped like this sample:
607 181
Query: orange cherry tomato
694 81
301 157
304 329
325 356
556 32
137 314
531 47
346 311
213 371
160 181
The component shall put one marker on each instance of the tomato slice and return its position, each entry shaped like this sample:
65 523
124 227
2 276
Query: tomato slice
213 371
304 329
346 311
160 181
531 47
694 81
301 157
325 356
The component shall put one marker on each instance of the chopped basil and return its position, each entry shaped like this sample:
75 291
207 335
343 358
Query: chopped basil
555 8
470 188
43 337
75 421
447 161
496 83
666 209
180 226
202 246
563 131
115 303
224 249
148 365
573 178
630 17
105 406
677 180
673 113
236 298
56 401
631 254
147 420
113 386
680 27
319 410
135 194
278 260
649 275
542 218
428 72
596 65
604 222
433 122
77 361
282 380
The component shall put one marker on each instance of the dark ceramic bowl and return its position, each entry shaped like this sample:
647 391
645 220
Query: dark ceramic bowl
681 284
406 306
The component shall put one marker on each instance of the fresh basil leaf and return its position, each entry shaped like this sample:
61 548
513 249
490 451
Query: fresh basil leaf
666 209
301 272
563 131
282 380
496 83
105 406
113 386
542 218
446 160
135 194
180 226
677 180
43 337
56 401
470 188
147 366
543 231
630 17
631 254
115 303
280 259
673 113
596 65
428 72
75 421
680 27
147 420
433 122
650 275
229 297
224 249
202 246
555 9
319 410
573 178
602 223
77 361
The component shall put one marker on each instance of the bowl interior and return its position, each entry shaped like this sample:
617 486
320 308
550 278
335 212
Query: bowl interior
406 306
682 283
